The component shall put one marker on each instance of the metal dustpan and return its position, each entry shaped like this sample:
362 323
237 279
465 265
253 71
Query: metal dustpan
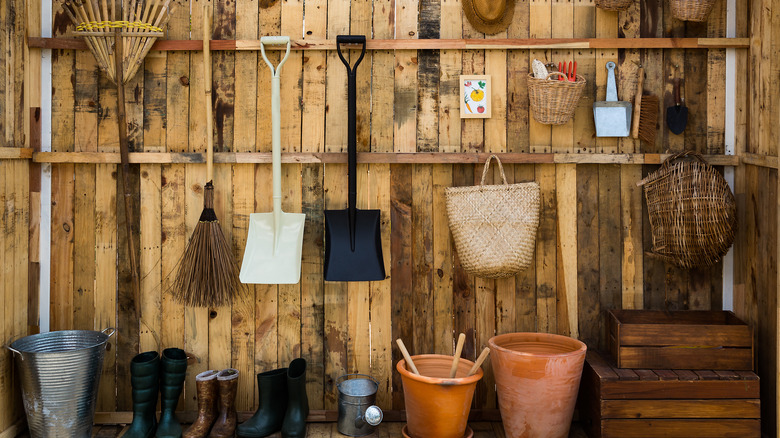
613 118
353 244
275 240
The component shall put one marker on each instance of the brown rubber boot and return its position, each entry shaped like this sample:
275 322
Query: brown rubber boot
226 421
207 388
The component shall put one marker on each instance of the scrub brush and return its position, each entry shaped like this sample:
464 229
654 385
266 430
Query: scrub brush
645 112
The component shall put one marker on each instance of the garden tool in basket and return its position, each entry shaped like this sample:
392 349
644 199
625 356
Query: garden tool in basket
275 241
353 243
613 118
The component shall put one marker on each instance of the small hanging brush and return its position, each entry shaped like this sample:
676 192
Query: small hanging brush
208 273
645 119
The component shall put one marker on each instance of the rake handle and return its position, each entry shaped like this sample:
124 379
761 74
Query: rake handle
124 154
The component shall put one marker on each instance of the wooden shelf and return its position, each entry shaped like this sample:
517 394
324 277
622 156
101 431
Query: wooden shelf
432 44
15 153
367 158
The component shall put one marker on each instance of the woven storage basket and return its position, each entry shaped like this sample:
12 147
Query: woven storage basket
692 211
494 226
553 102
614 5
691 10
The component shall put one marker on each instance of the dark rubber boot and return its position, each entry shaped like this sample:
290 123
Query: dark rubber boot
207 388
172 374
294 425
144 378
225 426
272 387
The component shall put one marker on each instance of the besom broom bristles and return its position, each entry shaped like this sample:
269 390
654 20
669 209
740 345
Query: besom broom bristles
208 273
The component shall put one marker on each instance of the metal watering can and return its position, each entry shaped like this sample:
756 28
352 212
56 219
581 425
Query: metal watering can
358 416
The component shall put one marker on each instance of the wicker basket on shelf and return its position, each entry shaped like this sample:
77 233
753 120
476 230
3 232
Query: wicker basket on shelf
614 5
692 211
553 102
691 10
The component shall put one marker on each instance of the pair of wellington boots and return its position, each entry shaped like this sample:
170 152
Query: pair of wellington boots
149 374
283 404
216 404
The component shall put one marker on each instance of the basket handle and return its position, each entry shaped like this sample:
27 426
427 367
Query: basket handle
487 165
556 73
683 154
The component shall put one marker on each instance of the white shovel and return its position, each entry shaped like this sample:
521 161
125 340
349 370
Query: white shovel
275 240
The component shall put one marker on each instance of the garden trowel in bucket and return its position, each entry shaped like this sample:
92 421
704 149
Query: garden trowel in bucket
353 244
613 118
275 240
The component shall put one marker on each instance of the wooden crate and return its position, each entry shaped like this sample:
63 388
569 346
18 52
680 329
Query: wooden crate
626 403
691 339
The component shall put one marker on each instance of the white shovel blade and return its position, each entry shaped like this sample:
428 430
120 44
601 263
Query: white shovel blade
264 264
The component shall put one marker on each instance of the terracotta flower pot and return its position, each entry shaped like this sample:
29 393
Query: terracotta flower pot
537 379
437 406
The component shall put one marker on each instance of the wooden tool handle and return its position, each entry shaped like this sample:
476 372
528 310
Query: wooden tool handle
479 361
406 356
458 351
640 83
207 90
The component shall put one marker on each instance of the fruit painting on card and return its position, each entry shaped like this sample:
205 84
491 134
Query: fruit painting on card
474 96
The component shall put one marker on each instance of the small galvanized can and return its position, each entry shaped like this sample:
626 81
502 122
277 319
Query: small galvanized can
358 416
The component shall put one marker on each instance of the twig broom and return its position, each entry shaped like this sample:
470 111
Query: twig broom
208 273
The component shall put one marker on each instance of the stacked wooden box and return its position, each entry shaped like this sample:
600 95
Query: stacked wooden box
678 374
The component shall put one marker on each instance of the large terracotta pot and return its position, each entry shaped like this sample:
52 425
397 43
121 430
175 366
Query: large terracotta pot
537 379
437 406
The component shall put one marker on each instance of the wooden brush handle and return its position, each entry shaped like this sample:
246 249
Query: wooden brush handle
406 356
479 361
640 83
456 358
207 97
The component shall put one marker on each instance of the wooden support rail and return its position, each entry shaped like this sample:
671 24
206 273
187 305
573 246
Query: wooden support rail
760 160
15 153
432 44
368 157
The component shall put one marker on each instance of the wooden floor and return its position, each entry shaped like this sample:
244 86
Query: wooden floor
385 430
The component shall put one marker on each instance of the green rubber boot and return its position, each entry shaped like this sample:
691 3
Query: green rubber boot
272 387
294 425
144 378
172 374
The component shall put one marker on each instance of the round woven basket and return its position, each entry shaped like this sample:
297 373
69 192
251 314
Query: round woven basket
614 5
693 214
553 102
691 10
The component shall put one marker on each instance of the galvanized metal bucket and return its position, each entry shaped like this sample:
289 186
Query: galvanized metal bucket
357 413
60 372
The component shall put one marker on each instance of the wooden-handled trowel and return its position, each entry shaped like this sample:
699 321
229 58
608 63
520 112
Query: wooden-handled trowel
677 115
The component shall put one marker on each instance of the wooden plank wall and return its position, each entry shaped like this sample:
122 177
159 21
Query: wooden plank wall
14 204
757 245
593 233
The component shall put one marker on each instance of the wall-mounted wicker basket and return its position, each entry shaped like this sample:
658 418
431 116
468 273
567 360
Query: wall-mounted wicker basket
693 214
553 102
614 5
691 10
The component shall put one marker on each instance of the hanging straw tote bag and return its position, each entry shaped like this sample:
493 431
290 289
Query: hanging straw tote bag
693 214
494 226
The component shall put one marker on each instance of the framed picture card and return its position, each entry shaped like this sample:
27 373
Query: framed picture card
475 96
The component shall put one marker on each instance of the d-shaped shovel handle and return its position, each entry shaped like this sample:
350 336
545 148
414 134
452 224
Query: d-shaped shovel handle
351 125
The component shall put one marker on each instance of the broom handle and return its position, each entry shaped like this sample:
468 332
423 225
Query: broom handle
640 84
207 97
125 168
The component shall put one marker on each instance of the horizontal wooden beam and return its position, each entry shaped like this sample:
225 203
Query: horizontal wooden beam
760 160
431 44
367 157
15 153
315 416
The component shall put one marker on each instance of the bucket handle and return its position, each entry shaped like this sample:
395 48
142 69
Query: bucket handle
113 330
13 350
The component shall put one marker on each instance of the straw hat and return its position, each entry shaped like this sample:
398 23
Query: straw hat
489 16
